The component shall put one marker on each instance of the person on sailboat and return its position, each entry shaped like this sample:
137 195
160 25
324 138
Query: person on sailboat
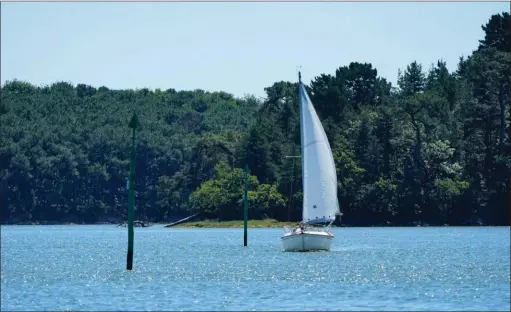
296 227
299 226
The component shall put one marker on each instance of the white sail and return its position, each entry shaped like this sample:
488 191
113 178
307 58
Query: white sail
320 202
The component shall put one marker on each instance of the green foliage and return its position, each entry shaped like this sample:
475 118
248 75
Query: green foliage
436 148
221 196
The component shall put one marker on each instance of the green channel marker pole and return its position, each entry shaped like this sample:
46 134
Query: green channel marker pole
245 208
134 124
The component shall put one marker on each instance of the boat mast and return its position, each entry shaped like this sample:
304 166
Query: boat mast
301 133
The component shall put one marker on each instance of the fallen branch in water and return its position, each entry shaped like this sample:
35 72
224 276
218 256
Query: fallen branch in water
182 220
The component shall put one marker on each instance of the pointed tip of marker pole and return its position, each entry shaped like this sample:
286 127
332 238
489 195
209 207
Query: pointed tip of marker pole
134 123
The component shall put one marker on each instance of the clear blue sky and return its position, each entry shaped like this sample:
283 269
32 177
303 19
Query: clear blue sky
238 47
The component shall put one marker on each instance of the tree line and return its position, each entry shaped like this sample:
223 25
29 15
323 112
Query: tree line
434 149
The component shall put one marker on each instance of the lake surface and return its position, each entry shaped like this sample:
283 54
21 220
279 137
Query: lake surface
82 267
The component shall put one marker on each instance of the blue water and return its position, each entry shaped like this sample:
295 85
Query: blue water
78 267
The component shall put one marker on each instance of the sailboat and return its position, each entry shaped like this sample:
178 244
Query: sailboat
319 178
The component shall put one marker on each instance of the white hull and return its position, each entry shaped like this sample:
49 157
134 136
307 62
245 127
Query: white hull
310 240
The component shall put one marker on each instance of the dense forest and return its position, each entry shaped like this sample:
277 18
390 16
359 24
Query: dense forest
434 149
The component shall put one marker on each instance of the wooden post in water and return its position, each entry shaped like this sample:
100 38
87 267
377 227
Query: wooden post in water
134 124
245 207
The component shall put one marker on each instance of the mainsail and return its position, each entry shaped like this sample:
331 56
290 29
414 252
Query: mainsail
320 204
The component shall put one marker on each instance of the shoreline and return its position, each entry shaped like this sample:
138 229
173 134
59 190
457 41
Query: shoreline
213 224
267 223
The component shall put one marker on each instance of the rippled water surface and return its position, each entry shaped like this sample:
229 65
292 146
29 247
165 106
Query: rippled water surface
83 268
